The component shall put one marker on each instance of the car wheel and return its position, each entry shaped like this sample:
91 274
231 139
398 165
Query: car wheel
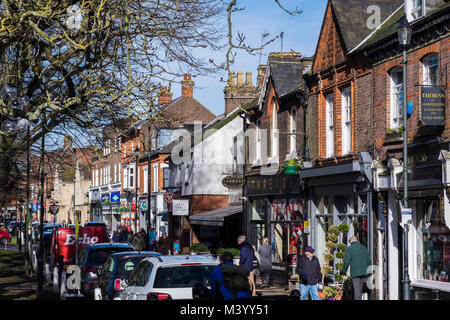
4 241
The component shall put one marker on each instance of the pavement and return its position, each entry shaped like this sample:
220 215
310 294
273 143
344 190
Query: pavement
20 286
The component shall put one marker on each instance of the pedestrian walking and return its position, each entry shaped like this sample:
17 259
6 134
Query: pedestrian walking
145 236
247 256
152 239
130 236
139 242
116 235
265 262
358 259
308 268
221 278
164 244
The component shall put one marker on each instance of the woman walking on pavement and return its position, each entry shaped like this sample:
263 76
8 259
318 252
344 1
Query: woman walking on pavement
265 262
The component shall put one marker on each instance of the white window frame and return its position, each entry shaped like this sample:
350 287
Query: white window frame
131 175
431 60
274 148
346 121
293 133
125 177
115 172
155 177
258 141
395 104
145 173
329 110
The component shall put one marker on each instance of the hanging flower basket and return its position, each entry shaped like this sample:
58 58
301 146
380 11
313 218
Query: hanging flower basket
291 167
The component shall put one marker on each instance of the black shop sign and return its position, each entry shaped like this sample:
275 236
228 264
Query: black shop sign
281 184
432 100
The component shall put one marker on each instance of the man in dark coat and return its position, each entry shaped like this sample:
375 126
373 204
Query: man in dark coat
247 255
358 258
308 268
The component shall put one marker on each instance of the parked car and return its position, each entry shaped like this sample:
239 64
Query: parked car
5 237
92 258
118 268
168 277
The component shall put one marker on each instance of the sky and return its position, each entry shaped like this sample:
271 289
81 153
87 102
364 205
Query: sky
301 33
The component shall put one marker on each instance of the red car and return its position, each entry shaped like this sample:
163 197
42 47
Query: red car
5 237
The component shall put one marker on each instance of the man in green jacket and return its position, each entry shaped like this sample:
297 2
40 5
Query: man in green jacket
357 257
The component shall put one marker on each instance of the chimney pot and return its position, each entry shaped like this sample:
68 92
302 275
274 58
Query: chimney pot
240 78
248 79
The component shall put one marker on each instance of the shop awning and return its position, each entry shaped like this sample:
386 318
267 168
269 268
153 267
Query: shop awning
214 217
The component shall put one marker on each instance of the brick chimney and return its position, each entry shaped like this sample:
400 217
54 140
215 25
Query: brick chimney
237 92
165 96
187 86
261 73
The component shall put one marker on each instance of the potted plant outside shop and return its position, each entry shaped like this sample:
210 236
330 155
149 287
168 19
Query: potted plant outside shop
235 252
198 248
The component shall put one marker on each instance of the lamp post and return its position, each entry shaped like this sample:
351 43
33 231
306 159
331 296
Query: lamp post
404 37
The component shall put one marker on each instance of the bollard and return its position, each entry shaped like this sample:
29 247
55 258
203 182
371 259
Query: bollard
63 285
34 261
98 294
48 276
55 278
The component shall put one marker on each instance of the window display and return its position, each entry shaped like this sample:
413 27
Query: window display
286 235
432 241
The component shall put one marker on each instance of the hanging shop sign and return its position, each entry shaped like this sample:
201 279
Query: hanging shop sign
432 99
180 207
233 182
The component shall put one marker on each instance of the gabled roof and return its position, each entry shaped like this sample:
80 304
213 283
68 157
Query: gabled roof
354 17
286 71
389 27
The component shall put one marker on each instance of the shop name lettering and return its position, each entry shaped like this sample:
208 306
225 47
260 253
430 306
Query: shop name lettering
84 240
270 184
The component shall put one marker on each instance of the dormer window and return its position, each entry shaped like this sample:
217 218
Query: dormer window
416 9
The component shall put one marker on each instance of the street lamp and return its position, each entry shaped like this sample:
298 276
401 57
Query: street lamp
404 39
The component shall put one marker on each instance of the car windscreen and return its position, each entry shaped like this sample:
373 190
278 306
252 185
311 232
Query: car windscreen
97 257
126 266
183 276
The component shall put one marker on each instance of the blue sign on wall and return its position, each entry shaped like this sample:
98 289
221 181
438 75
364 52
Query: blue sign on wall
115 197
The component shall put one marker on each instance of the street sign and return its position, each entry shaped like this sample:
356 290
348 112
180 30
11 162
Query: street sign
144 205
115 197
406 216
54 208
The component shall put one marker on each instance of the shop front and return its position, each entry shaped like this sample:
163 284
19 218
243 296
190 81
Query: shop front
339 195
429 239
276 209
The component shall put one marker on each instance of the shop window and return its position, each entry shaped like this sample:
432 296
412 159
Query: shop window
432 241
396 98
